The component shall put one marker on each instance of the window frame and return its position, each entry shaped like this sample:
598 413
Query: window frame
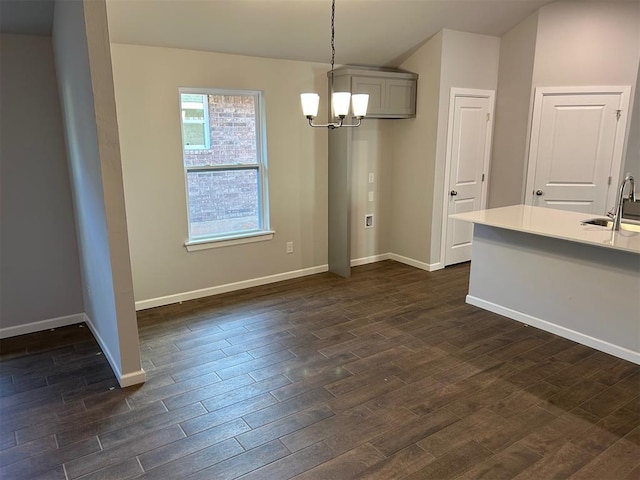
263 232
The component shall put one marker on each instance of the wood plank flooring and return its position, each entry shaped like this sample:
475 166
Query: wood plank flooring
386 375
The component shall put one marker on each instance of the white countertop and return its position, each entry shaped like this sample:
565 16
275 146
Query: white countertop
549 222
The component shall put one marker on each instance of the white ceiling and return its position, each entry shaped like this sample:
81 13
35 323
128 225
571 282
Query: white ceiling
368 32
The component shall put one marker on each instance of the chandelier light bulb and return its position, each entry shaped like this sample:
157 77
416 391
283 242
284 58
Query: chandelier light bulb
359 102
340 102
310 103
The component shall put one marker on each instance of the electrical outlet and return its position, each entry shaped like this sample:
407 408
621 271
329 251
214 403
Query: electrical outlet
371 177
368 221
371 196
289 247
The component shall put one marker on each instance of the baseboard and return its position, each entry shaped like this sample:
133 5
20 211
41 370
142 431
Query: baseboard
616 350
133 378
6 332
372 259
125 380
229 287
429 267
254 282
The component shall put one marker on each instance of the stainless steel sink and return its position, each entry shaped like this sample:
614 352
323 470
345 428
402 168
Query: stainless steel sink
630 210
630 226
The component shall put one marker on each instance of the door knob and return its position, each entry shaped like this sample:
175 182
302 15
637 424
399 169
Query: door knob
539 192
453 193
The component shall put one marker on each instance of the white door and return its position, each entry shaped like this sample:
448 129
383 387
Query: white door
468 152
575 152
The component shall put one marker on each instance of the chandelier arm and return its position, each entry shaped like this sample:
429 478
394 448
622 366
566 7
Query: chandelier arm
354 124
325 125
335 124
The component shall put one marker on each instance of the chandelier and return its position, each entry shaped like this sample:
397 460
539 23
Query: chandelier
339 100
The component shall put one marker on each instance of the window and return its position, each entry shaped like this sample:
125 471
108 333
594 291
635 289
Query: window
195 121
224 164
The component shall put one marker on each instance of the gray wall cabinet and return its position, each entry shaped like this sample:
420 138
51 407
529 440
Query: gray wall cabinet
392 94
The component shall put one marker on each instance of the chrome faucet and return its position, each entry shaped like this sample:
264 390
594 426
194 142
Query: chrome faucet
617 216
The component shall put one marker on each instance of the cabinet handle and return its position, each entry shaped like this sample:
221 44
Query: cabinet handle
453 193
539 193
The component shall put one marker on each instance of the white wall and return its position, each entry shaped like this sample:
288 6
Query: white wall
81 49
567 43
587 43
517 54
576 44
414 158
468 61
40 272
449 59
372 151
146 86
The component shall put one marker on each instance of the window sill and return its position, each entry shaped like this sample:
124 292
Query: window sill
196 245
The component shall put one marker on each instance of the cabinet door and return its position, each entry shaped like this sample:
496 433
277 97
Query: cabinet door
400 97
375 88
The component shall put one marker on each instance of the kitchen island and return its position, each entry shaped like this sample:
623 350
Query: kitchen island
544 268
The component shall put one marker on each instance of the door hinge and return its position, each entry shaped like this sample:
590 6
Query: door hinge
483 177
609 181
488 116
618 114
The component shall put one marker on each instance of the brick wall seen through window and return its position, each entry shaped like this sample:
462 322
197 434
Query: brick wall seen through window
224 181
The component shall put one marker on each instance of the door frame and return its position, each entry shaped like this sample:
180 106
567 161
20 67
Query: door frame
534 133
464 92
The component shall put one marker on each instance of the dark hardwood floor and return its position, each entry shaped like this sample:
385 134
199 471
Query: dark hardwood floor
385 375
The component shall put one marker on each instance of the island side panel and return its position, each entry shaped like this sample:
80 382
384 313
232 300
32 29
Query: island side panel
586 293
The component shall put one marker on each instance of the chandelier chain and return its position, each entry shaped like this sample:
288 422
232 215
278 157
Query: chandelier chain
333 37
